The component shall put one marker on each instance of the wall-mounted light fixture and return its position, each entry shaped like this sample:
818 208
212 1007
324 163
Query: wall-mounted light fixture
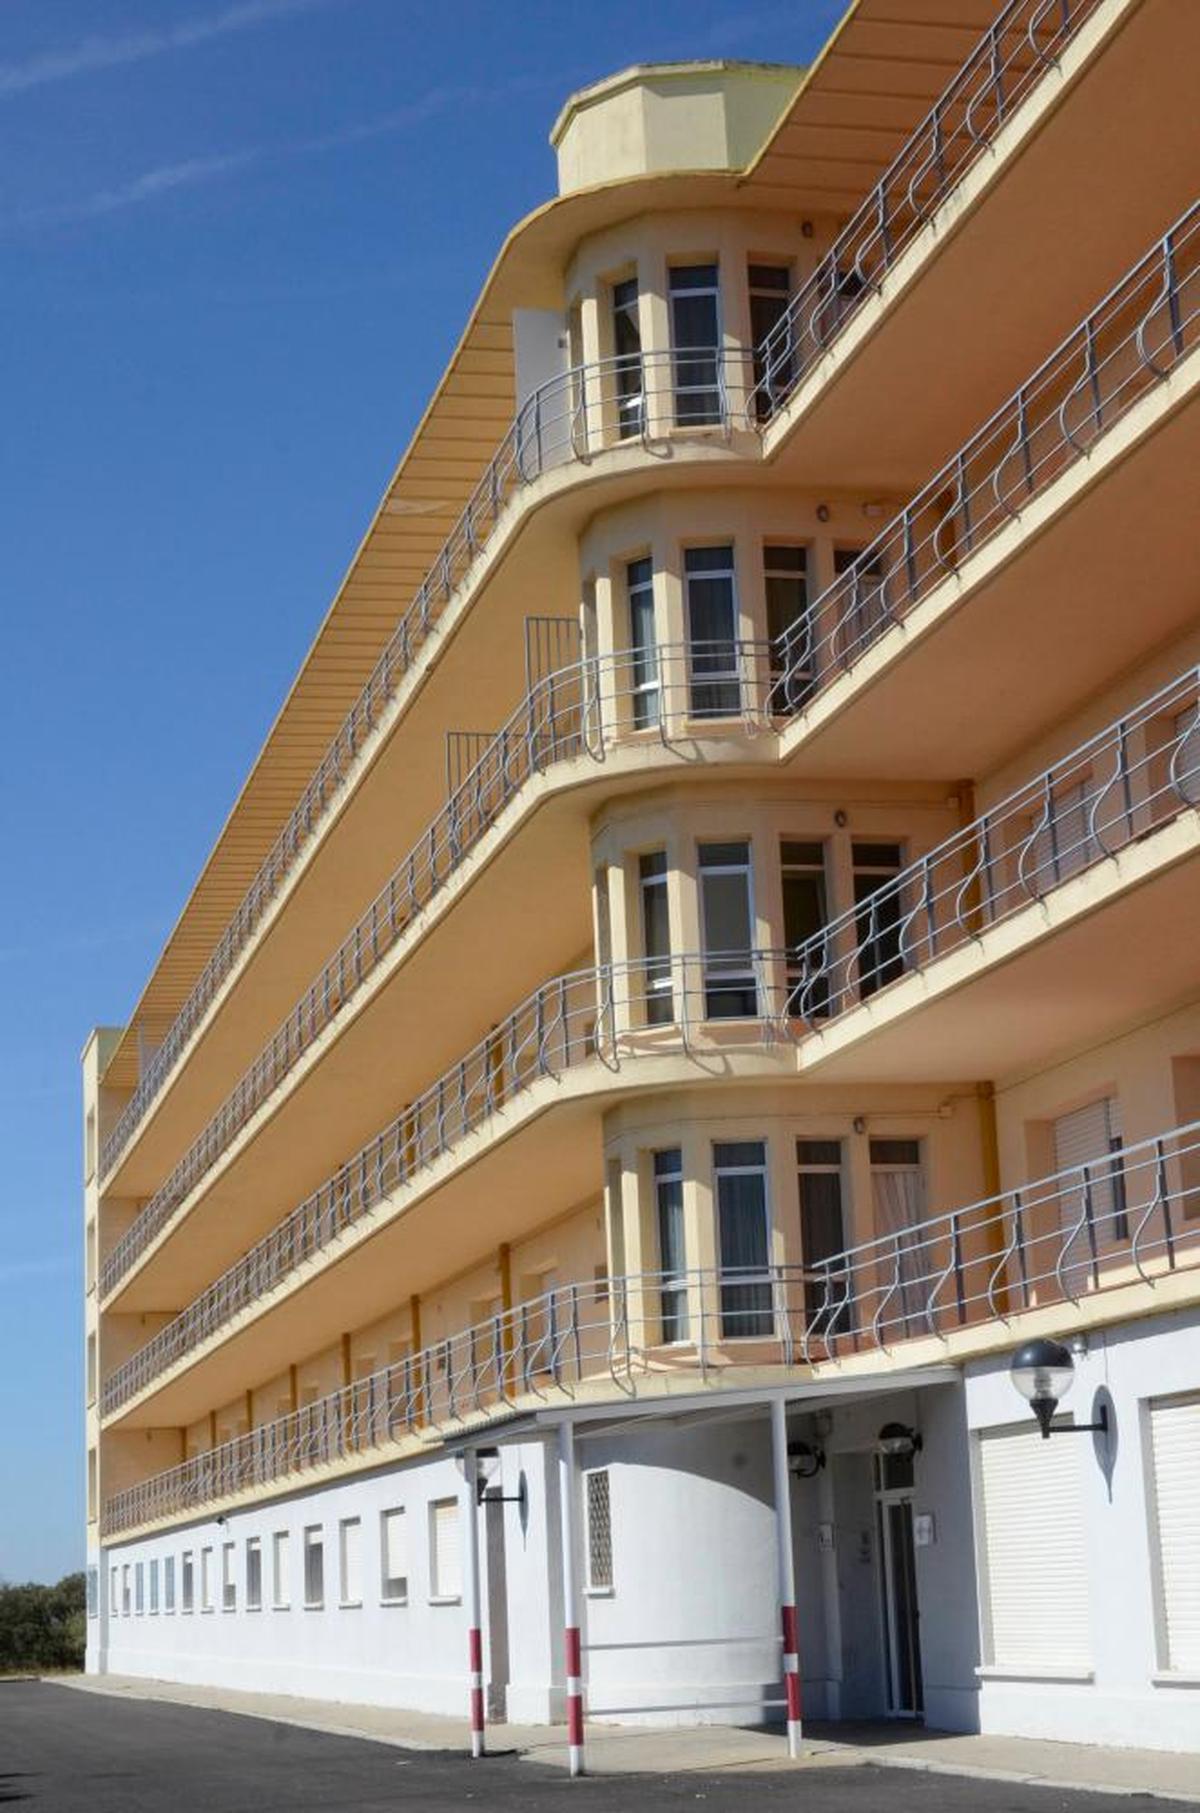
805 1461
822 512
806 229
841 819
1043 1372
898 1441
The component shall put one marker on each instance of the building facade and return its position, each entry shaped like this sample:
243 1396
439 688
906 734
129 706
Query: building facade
702 969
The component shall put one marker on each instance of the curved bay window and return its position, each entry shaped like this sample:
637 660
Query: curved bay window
643 641
656 937
727 919
716 690
627 367
695 343
672 1261
743 1238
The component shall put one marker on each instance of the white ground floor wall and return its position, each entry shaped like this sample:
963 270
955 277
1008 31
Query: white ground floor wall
677 1560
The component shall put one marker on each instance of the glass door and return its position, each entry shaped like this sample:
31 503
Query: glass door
902 1643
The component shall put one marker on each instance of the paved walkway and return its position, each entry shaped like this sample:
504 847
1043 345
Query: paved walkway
632 1749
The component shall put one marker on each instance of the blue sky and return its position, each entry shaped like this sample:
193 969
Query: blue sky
238 239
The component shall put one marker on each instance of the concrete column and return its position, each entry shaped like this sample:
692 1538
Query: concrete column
470 1510
573 1645
787 1572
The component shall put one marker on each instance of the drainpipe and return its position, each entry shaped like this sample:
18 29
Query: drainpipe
573 1646
787 1572
474 1620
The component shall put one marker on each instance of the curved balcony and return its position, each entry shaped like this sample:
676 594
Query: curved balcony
1060 1243
1128 781
1022 43
636 400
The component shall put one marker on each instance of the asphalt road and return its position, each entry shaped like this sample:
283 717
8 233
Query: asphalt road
67 1752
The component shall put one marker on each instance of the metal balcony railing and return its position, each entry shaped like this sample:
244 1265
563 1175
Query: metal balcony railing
663 693
1110 792
1132 1215
1125 348
636 399
1023 42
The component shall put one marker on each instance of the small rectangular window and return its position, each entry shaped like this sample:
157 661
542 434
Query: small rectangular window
126 1589
228 1577
280 1578
253 1574
445 1560
139 1588
598 1532
187 1578
169 1584
393 1555
153 1587
206 1580
350 1560
314 1565
114 1590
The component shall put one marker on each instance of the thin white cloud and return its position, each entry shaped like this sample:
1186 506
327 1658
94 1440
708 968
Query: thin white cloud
149 186
88 56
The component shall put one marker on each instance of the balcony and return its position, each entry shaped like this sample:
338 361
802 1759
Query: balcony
1072 1249
637 403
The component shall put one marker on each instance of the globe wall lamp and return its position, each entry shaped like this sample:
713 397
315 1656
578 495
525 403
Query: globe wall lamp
899 1441
1043 1372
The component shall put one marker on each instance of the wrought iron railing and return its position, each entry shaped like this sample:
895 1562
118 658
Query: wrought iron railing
1132 1214
1022 43
1125 348
636 399
1122 783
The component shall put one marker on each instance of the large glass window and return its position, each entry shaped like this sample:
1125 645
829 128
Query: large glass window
878 915
712 632
805 914
727 915
823 1235
862 606
909 1268
656 936
627 345
643 641
789 629
774 366
695 343
672 1261
743 1238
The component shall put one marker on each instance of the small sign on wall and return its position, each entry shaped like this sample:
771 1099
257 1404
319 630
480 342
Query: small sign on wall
924 1530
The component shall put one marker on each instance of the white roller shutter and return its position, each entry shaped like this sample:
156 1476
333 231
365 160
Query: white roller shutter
445 1561
1034 1561
1087 1137
1175 1438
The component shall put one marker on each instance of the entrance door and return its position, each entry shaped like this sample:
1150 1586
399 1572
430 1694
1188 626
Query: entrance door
901 1629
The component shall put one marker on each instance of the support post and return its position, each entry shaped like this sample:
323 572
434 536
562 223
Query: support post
787 1572
573 1646
470 1503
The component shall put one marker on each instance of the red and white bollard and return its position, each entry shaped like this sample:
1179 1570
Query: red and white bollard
787 1573
474 1620
573 1643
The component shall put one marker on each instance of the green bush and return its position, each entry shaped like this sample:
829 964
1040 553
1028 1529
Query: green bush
42 1626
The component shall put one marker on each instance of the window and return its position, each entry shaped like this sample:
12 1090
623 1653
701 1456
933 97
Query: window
393 1556
281 1596
1035 1569
206 1580
598 1531
774 365
898 1187
1175 1450
789 628
139 1588
153 1587
695 342
878 915
169 1584
656 937
627 345
253 1574
823 1235
445 1562
350 1561
93 1592
1093 1211
187 1581
114 1590
228 1576
91 1369
672 1263
727 920
90 1242
314 1566
126 1593
805 912
862 608
743 1237
643 641
712 618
